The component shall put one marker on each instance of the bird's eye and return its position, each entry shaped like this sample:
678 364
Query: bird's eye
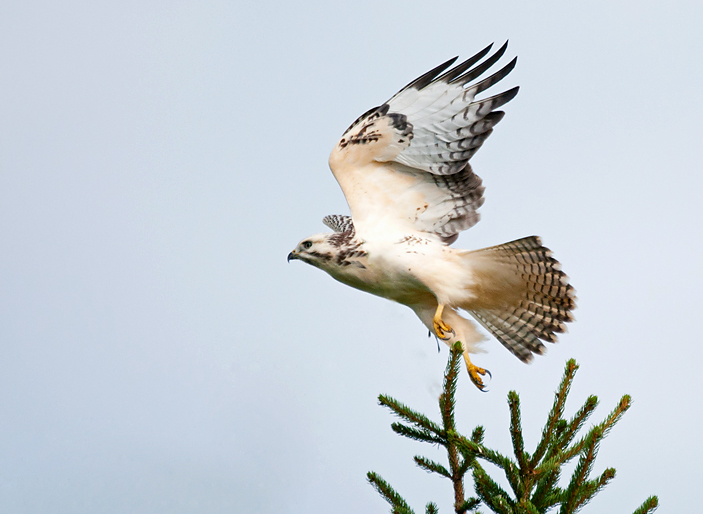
307 244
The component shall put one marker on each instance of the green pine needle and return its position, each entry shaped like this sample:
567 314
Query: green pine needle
465 465
477 434
447 401
417 434
490 492
549 430
578 420
649 505
516 431
432 466
575 495
431 508
470 504
398 504
408 414
469 448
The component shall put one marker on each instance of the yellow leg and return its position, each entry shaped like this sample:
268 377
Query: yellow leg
443 331
475 373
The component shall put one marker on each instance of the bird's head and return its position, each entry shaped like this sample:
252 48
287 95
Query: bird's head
316 250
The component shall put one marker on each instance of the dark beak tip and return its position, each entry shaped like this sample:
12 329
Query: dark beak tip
290 256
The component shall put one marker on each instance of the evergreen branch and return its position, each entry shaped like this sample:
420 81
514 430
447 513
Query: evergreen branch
477 435
550 500
649 505
574 449
557 443
557 459
550 465
456 477
526 507
593 487
465 465
563 456
432 466
588 446
606 425
576 422
472 450
512 473
398 504
557 411
540 472
520 485
417 434
491 493
615 416
574 494
509 467
431 508
469 504
446 399
406 412
560 428
469 448
447 404
547 494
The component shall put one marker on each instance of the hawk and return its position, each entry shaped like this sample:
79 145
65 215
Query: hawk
404 170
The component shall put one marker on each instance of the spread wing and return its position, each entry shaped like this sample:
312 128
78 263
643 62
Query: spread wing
405 164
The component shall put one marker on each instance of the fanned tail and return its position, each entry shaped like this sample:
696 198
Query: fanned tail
528 297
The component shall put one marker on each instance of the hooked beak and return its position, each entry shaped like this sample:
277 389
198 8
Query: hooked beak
292 256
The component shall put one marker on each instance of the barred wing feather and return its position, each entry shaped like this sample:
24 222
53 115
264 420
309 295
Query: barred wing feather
339 222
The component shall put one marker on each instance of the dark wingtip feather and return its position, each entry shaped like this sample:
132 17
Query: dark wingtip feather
478 70
494 117
461 68
510 94
485 106
427 78
495 78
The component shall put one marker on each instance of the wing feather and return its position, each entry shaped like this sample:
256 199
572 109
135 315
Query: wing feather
339 222
405 163
476 72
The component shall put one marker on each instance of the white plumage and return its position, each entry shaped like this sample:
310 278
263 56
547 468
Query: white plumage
403 168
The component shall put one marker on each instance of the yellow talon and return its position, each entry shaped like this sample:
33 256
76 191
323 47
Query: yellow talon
475 373
443 331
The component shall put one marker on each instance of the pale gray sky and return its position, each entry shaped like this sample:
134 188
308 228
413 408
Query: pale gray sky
158 160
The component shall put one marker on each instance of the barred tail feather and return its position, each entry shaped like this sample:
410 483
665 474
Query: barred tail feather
526 299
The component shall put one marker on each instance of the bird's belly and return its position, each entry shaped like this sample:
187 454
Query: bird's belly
389 278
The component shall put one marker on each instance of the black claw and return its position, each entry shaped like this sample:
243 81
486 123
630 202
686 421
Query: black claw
447 335
479 386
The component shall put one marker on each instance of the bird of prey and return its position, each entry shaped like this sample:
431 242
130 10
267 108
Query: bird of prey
404 170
